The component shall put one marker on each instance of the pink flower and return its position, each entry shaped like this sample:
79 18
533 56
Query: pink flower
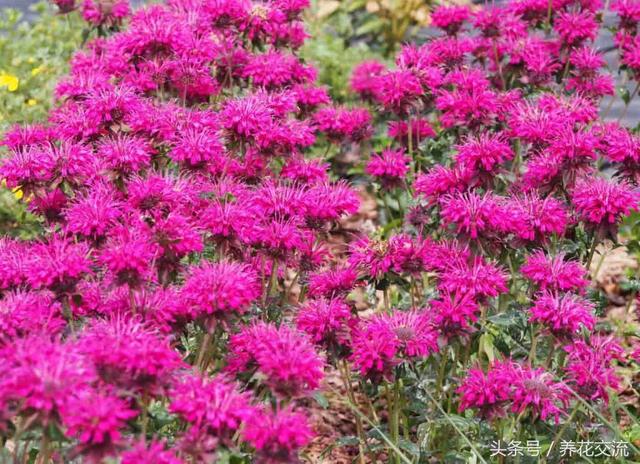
277 436
563 314
214 406
104 12
13 265
154 452
279 237
220 288
274 69
628 11
453 312
420 130
589 366
96 419
28 167
332 282
58 264
93 213
536 390
536 218
470 101
450 18
575 28
129 255
326 202
383 341
177 236
41 376
365 78
25 313
409 254
441 181
487 392
129 354
341 123
311 171
603 202
554 272
310 97
327 322
125 153
475 215
371 257
283 356
484 152
479 278
398 90
195 148
389 167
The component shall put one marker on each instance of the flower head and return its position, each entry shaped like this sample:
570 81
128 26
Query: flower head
563 314
220 288
214 406
590 366
383 341
283 356
554 272
603 202
277 436
327 322
389 167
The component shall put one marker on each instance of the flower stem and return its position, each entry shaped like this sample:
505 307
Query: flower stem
563 429
534 345
202 350
346 379
592 250
44 455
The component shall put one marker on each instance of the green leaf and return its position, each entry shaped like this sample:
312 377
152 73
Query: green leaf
348 440
486 346
321 400
372 25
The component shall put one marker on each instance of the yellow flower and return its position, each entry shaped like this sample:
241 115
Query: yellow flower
32 101
37 70
17 193
9 81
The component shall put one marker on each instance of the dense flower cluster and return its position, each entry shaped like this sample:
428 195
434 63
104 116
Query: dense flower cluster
498 222
175 195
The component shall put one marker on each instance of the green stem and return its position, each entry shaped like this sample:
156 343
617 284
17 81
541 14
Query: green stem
44 455
627 308
599 265
592 250
534 345
346 379
391 415
563 429
440 379
202 350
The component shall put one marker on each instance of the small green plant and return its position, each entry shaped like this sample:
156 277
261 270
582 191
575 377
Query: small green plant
33 54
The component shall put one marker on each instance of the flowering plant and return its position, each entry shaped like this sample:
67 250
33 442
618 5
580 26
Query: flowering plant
197 282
